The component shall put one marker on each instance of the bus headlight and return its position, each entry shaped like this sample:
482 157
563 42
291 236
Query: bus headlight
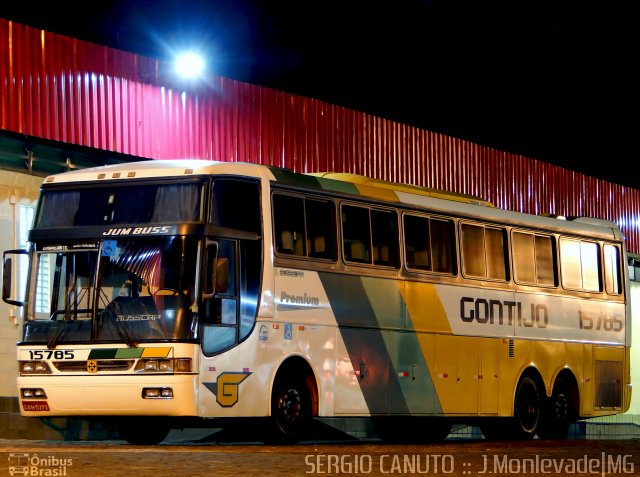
34 367
178 365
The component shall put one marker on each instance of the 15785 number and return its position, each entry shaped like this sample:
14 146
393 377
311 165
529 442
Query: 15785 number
51 353
600 322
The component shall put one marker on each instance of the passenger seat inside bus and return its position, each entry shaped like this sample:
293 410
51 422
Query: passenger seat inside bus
319 247
291 243
381 254
286 242
421 259
359 252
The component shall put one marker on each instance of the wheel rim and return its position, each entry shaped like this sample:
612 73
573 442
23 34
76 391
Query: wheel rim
290 406
561 407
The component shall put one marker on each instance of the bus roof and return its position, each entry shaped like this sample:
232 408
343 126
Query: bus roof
343 183
366 186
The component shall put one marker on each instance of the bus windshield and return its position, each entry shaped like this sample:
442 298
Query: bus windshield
126 289
130 204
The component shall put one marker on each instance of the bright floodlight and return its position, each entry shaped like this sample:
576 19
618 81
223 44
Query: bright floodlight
189 65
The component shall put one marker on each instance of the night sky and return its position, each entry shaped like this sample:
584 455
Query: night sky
551 80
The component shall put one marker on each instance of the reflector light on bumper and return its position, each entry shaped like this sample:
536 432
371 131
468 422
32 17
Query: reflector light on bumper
157 393
33 393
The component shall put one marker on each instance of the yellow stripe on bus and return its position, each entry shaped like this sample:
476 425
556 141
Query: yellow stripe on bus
425 309
156 352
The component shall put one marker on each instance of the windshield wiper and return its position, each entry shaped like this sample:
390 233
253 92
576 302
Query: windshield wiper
53 341
125 334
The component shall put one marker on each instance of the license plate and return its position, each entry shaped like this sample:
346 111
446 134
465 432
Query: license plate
35 405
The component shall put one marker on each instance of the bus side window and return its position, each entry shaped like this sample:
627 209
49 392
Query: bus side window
288 220
384 232
533 258
545 260
612 269
484 251
472 239
416 236
356 232
320 222
429 244
442 245
580 265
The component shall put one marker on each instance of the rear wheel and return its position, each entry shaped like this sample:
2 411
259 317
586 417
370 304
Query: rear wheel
559 412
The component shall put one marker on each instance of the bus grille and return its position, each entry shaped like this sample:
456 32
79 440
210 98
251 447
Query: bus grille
103 365
608 384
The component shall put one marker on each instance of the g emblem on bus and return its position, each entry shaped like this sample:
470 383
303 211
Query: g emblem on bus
226 389
92 366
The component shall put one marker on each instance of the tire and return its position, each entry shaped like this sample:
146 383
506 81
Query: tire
290 411
559 412
527 409
143 431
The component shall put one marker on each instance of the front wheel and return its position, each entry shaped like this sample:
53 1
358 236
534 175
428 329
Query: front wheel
526 415
290 410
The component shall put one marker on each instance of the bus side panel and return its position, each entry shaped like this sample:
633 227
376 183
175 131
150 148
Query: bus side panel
586 404
548 357
361 306
515 357
410 353
492 352
575 358
457 373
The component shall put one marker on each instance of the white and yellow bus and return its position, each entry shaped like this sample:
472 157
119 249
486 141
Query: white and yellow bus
169 292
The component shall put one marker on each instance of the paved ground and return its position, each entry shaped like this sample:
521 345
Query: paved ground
188 457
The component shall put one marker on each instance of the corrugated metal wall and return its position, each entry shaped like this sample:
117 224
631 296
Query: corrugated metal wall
72 91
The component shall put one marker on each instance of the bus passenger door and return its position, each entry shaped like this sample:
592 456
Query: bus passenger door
221 301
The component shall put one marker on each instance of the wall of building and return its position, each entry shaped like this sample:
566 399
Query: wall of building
75 92
15 189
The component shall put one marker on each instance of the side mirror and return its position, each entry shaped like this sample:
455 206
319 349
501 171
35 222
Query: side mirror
7 276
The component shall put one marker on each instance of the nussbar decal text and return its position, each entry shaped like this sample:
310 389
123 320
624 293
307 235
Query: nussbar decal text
161 229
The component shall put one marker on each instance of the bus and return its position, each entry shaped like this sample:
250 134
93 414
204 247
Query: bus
164 294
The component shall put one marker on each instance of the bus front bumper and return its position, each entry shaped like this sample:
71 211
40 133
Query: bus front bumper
115 395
